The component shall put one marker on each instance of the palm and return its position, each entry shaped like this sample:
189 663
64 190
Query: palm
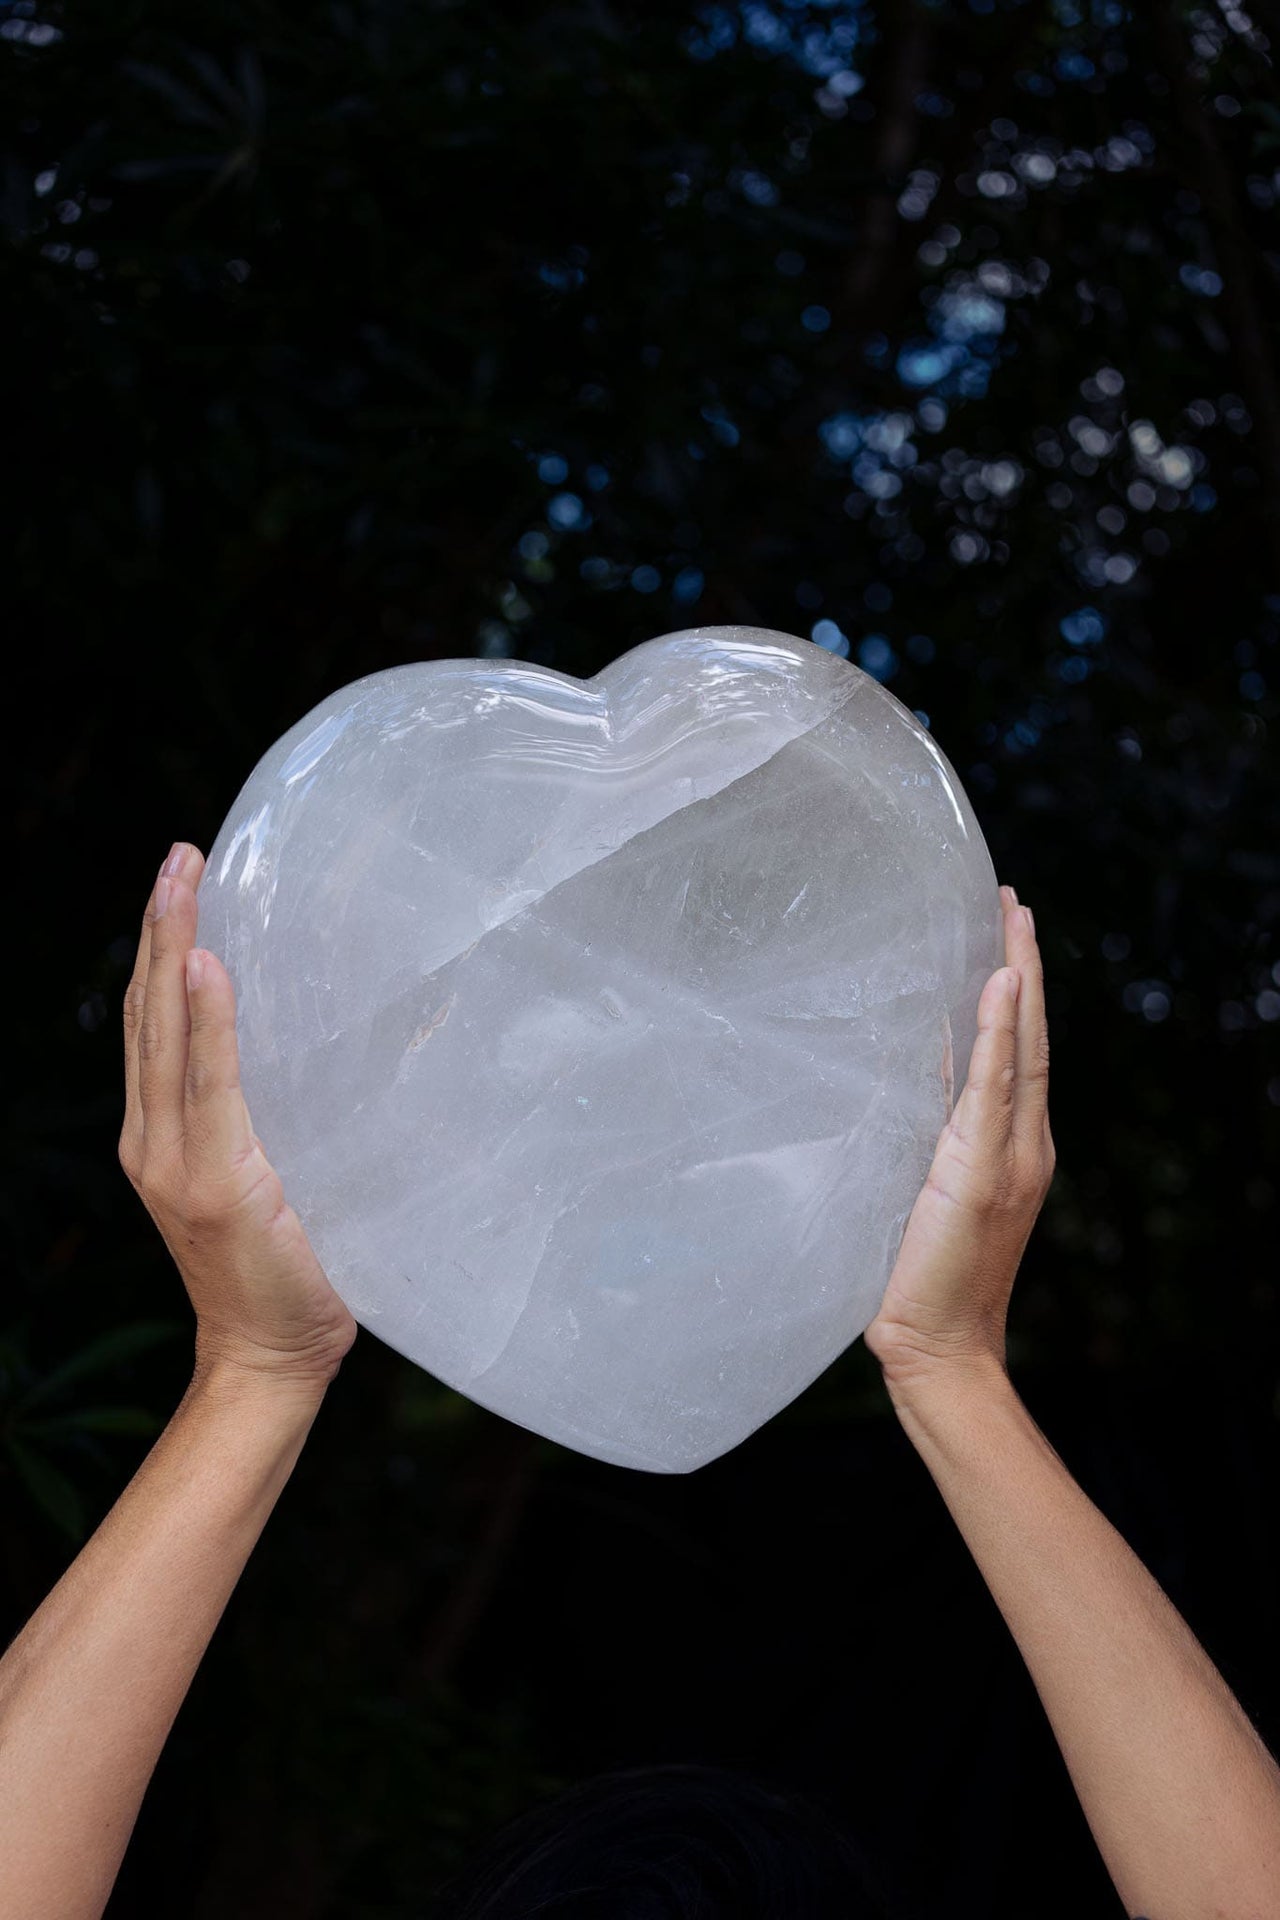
948 1294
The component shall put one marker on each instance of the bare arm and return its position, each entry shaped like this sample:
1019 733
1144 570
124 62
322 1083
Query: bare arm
1180 1793
93 1683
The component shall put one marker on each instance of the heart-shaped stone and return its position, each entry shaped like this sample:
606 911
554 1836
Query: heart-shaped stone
602 1031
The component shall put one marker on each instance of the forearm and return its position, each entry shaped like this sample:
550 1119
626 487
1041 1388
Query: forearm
93 1683
1180 1793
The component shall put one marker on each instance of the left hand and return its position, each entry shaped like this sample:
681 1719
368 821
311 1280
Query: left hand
947 1300
264 1306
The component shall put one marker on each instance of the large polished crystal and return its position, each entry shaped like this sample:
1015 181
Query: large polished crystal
602 1031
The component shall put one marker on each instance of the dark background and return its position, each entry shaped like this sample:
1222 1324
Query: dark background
342 335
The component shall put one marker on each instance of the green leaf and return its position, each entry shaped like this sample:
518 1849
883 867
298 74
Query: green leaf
96 1420
438 1408
122 1343
50 1488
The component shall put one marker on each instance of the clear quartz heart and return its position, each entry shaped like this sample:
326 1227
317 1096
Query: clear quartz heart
602 1031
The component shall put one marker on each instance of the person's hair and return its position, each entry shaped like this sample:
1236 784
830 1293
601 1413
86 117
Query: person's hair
679 1841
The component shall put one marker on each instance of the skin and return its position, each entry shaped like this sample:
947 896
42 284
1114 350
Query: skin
1181 1795
262 1300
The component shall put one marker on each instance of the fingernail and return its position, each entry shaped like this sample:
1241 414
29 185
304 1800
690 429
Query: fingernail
1031 919
195 967
162 899
177 854
1012 895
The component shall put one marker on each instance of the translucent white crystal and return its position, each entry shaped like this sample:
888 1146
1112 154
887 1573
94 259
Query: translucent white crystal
601 1032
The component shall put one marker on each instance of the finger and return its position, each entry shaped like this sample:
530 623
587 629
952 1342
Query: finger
134 1001
1031 1088
983 1119
217 1135
162 1033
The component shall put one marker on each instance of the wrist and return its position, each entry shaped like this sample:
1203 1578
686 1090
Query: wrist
232 1365
927 1394
226 1383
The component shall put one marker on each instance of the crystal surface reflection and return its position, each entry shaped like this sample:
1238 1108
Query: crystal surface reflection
602 1031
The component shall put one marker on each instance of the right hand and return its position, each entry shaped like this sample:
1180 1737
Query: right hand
945 1307
265 1309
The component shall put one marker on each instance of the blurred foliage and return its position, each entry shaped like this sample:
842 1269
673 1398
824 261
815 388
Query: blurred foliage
943 334
39 1415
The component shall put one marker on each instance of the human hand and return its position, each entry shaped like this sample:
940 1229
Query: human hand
264 1306
945 1306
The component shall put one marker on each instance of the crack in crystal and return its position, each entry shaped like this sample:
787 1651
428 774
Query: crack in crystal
523 1308
529 906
